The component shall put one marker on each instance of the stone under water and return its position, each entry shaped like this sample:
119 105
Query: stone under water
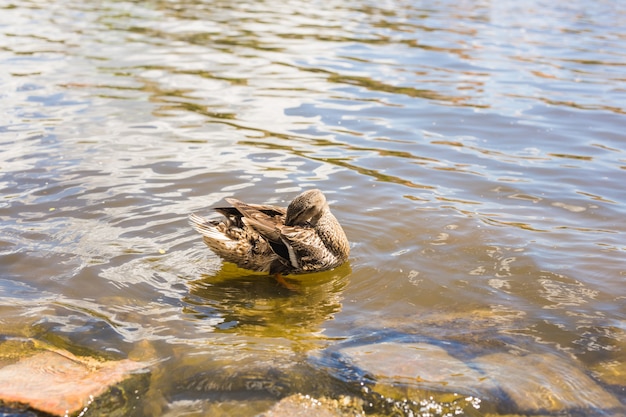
532 383
546 383
299 405
60 383
420 364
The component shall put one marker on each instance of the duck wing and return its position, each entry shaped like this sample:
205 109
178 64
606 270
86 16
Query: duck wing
246 208
239 210
306 249
298 246
264 219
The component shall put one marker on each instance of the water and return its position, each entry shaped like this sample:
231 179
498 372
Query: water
473 151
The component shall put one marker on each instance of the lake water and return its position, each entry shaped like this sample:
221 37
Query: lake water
475 153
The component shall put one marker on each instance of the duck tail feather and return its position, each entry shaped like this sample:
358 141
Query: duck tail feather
206 228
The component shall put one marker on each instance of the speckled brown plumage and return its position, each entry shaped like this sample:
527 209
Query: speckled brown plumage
304 237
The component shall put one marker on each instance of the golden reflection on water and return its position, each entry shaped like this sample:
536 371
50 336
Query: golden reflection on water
257 305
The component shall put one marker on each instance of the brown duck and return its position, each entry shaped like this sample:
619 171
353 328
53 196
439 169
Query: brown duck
304 237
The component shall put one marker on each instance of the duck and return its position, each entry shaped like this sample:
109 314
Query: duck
302 238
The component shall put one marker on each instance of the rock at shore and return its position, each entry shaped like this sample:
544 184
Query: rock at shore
58 382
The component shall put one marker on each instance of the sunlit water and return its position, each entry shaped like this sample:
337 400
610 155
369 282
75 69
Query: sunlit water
473 151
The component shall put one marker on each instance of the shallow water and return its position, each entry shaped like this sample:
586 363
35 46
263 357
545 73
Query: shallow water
473 151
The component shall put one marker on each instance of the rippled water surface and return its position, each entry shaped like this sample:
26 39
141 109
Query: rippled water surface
473 151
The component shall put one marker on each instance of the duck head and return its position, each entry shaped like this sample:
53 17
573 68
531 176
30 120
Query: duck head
307 207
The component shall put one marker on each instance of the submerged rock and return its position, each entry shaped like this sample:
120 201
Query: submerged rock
420 365
306 406
527 384
539 383
611 372
59 383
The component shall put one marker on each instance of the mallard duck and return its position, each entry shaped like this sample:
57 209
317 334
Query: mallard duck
304 237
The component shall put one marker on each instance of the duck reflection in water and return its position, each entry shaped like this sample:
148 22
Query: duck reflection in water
250 304
304 237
